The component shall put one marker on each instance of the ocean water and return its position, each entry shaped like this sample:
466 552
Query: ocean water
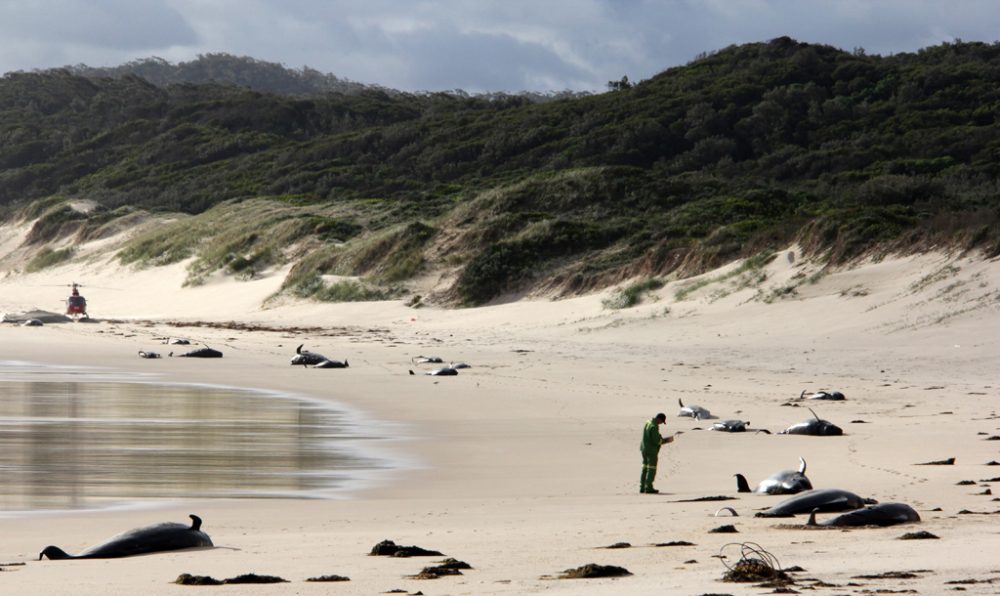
73 438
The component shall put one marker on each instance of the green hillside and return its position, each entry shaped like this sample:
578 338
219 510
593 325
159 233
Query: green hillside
737 153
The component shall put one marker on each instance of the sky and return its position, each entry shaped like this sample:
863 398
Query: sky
473 45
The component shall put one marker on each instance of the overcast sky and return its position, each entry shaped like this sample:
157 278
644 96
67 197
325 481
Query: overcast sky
474 45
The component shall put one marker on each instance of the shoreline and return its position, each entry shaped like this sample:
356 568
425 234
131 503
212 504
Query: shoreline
357 439
532 462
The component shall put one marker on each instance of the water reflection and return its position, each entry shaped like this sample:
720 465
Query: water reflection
69 444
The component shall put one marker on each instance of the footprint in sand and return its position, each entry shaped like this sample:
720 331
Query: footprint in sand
855 458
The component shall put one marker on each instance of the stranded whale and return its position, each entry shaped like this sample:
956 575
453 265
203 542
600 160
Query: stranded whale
199 353
730 426
149 539
785 482
883 514
305 358
814 427
817 499
696 412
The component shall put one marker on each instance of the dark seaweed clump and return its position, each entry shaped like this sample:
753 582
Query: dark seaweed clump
593 570
388 548
186 579
253 578
447 567
435 572
889 575
756 570
944 462
329 578
450 563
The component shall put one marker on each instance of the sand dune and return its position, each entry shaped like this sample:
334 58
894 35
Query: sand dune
527 464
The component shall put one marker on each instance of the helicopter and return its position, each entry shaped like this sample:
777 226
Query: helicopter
76 305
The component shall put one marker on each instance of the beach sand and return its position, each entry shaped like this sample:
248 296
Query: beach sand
527 464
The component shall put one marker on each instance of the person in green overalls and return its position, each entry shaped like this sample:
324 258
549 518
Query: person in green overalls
650 448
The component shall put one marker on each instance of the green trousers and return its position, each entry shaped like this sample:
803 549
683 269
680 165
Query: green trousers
648 472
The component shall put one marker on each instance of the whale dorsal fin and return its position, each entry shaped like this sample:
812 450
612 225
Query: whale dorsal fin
741 484
298 350
802 466
195 522
814 414
680 402
812 517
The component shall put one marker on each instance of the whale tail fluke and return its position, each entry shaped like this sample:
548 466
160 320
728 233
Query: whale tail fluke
54 553
812 518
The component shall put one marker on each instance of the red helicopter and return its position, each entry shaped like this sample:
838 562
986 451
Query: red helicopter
76 305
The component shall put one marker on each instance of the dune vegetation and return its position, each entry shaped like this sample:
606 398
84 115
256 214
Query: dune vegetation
738 153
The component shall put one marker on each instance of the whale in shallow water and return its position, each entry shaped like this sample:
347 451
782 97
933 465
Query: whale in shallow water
140 541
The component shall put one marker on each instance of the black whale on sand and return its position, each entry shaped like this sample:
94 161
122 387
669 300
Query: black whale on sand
148 539
817 499
883 514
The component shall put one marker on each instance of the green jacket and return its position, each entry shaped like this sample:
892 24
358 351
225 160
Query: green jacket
651 439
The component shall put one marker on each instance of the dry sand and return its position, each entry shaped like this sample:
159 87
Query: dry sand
527 464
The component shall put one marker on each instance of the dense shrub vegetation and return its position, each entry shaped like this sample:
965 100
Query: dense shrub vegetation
739 151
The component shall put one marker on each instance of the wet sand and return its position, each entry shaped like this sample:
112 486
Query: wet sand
78 438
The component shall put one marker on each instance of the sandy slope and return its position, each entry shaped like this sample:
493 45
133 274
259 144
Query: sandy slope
527 464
